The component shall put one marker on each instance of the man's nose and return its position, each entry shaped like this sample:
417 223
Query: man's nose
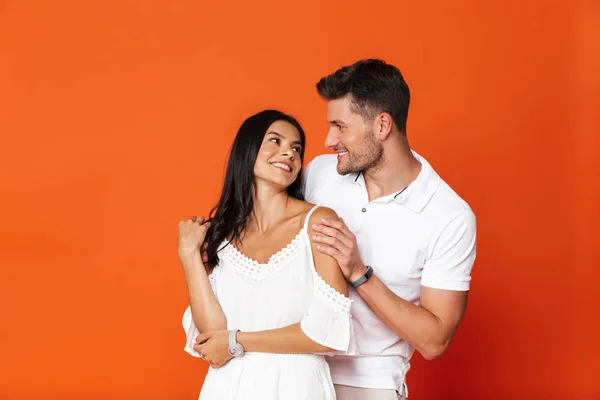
332 138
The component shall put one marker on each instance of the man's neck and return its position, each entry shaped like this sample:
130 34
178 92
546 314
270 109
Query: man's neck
397 169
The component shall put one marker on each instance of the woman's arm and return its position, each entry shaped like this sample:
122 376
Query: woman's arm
206 310
299 337
293 339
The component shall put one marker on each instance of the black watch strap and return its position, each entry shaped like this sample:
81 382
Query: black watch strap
363 278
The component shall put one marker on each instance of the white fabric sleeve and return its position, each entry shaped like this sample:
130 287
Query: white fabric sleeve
452 255
328 320
191 332
307 188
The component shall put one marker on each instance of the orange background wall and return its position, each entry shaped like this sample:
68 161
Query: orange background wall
116 117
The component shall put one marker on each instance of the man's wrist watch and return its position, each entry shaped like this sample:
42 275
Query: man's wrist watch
235 349
363 278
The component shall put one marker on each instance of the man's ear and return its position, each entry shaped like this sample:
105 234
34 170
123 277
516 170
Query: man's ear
383 125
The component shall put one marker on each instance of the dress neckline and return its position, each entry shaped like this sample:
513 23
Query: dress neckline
253 269
275 256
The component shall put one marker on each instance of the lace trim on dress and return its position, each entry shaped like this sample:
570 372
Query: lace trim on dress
337 300
255 270
213 282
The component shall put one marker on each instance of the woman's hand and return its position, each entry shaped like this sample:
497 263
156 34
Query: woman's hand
192 233
213 347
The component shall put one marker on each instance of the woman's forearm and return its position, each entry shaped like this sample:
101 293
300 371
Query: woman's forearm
206 310
290 339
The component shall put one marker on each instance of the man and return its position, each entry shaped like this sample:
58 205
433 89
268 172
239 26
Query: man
406 241
416 237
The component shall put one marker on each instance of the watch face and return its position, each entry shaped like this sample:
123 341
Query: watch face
235 351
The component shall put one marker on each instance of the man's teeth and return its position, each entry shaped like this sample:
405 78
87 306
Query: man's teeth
342 153
282 166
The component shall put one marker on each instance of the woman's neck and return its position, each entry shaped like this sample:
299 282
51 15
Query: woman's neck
270 208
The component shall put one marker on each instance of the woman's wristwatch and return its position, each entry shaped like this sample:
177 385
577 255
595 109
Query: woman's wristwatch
363 278
235 349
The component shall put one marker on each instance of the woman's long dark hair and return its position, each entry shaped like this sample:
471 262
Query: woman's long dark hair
230 215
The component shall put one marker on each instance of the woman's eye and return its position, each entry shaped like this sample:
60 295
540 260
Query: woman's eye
275 140
297 149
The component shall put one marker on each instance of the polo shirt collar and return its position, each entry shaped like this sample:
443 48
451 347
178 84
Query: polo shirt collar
418 193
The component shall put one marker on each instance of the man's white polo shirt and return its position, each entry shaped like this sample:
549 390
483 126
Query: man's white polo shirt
424 235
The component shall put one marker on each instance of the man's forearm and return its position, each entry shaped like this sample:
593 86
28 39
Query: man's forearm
416 325
290 339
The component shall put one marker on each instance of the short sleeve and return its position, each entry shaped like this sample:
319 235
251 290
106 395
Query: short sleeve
328 320
191 332
452 255
317 175
307 186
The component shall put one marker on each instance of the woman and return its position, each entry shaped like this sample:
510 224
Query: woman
286 303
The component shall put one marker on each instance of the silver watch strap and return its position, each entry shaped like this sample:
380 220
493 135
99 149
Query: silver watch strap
235 348
232 337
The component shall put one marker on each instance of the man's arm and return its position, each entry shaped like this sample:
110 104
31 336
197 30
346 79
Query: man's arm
431 326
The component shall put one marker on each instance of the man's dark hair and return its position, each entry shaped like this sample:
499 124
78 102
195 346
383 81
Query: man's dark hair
375 87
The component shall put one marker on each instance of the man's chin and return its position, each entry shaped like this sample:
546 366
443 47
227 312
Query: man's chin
342 169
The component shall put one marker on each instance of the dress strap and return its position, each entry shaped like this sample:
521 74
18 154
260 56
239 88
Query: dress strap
308 217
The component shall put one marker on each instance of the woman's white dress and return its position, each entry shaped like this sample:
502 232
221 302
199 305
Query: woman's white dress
284 291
